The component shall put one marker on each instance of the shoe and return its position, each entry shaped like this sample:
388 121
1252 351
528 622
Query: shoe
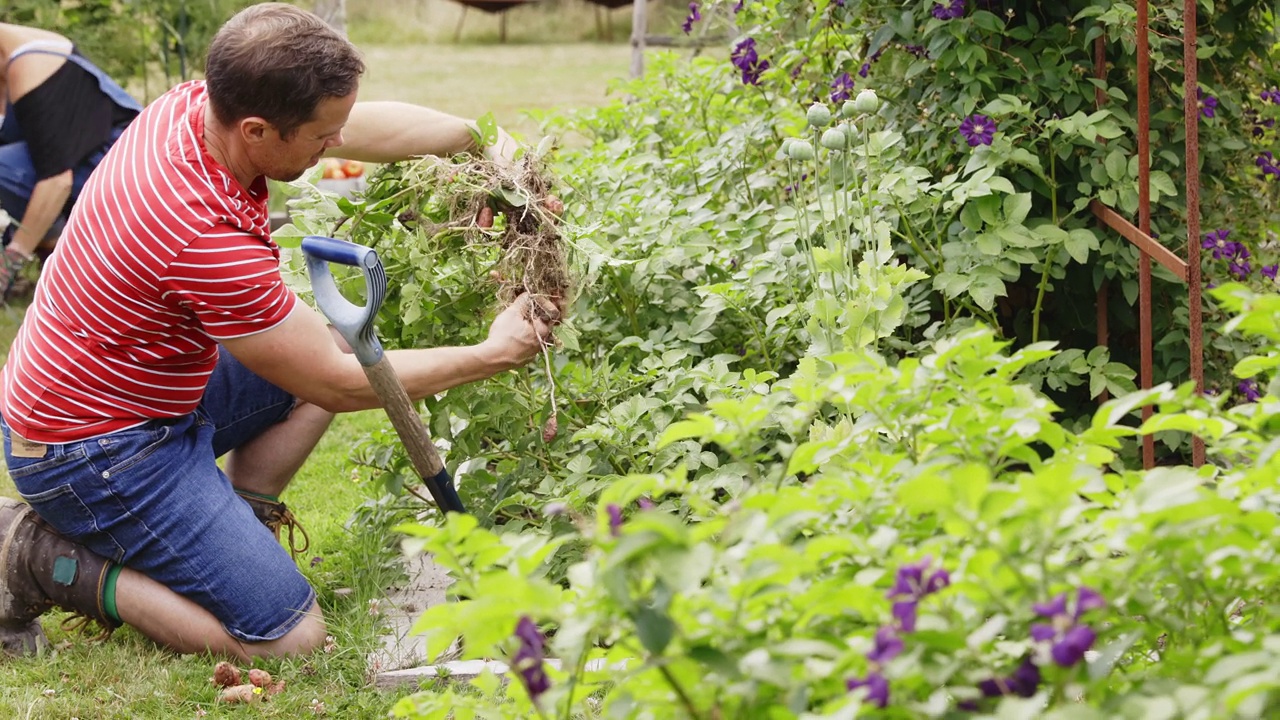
40 570
12 264
278 517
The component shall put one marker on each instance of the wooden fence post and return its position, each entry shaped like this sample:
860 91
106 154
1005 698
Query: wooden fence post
638 31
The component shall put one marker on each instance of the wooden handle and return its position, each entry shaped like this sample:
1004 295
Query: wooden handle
408 425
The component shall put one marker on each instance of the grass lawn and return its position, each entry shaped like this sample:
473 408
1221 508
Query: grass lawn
127 676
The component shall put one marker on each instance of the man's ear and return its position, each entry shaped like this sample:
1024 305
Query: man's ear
254 130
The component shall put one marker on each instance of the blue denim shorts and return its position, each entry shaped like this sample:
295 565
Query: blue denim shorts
154 499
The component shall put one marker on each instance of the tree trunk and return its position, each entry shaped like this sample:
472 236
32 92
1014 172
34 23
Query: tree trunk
333 12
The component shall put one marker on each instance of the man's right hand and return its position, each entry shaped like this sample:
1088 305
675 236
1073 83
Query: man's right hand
519 333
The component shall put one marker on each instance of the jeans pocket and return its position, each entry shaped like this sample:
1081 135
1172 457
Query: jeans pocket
62 508
127 448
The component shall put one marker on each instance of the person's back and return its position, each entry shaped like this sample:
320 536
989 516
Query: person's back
61 114
122 326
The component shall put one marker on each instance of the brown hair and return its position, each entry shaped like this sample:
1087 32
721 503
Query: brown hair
277 62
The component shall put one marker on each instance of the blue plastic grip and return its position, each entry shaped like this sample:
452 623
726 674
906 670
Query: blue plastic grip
354 322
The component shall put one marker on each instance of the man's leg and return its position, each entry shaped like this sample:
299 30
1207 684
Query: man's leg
183 626
266 463
40 569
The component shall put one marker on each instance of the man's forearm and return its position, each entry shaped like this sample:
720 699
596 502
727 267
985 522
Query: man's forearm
393 131
47 200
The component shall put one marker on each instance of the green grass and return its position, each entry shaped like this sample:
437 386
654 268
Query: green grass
127 676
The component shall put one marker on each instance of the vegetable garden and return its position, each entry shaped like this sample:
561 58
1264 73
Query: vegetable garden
835 437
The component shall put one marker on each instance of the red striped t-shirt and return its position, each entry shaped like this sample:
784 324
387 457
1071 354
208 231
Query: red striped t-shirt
165 254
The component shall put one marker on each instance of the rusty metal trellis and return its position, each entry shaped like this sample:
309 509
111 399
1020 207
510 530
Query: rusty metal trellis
1189 270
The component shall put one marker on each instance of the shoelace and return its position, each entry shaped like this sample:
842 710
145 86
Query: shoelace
285 519
78 622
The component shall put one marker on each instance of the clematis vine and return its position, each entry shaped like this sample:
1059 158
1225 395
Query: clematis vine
1067 637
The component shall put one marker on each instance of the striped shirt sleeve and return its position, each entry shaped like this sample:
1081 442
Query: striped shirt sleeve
230 280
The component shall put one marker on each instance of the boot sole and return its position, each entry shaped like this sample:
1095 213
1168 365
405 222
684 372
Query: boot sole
12 513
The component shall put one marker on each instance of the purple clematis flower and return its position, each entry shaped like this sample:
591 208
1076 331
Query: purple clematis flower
1269 271
910 585
978 130
1267 164
1067 637
950 11
747 60
1208 103
887 646
841 87
877 687
528 660
1023 682
615 519
1218 243
694 16
1249 388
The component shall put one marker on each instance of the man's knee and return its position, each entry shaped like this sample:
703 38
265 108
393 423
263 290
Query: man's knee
306 637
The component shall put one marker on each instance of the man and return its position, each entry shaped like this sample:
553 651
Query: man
61 115
162 336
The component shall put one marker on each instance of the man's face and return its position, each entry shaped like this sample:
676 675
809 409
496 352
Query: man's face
286 158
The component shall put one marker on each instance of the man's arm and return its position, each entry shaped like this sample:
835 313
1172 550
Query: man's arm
300 356
383 132
47 200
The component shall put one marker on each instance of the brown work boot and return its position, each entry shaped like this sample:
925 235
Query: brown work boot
40 569
277 517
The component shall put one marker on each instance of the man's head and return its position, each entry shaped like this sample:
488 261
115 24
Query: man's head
285 81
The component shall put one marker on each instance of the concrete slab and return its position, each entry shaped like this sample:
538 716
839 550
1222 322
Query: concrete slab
425 586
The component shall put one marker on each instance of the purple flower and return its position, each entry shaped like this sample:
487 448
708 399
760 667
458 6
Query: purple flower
910 586
795 185
694 16
1208 103
644 503
1240 268
1269 271
528 660
615 519
866 66
949 12
1023 682
877 688
841 87
1069 639
1249 388
1271 96
1217 241
1267 164
917 50
887 646
745 58
978 130
738 8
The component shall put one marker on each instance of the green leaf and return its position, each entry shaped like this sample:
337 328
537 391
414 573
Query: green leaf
486 130
655 629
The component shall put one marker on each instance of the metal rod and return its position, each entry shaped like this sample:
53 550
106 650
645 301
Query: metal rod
1191 117
1144 221
1149 245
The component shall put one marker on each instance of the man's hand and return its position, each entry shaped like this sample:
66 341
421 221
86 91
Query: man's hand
519 333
